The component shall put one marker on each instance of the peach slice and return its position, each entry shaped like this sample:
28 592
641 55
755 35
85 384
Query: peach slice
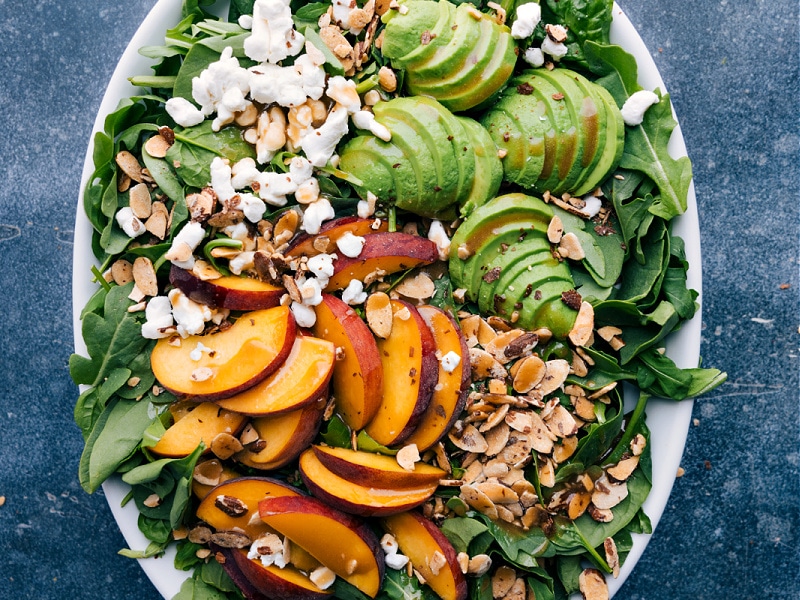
384 253
350 497
410 372
283 437
376 470
325 241
239 357
341 542
450 393
259 582
420 540
202 424
299 381
230 291
358 375
221 508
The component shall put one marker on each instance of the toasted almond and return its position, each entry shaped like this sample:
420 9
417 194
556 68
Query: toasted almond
638 444
157 146
596 395
496 439
502 581
478 500
547 473
518 452
479 565
541 437
470 440
387 79
249 435
205 271
520 421
601 515
584 408
555 230
419 287
152 501
593 585
581 331
624 468
157 222
286 227
485 366
517 591
565 449
473 473
180 252
201 204
129 165
122 272
144 274
495 418
140 201
556 372
208 472
224 445
407 457
379 314
578 503
506 346
528 374
607 494
561 422
497 492
612 555
462 558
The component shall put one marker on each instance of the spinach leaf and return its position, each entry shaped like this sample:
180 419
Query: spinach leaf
461 531
112 340
196 61
195 588
115 437
585 20
521 548
397 585
213 574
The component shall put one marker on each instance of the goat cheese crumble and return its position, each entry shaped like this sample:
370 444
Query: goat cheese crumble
636 106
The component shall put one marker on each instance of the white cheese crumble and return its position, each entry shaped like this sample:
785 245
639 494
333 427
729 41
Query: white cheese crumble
343 91
366 208
189 237
555 49
270 550
242 262
592 206
310 290
350 245
304 315
158 314
354 293
534 57
245 22
221 179
287 86
321 266
528 17
389 544
222 87
129 223
190 316
197 353
183 112
315 214
319 144
450 361
636 105
394 560
273 37
363 119
322 577
438 236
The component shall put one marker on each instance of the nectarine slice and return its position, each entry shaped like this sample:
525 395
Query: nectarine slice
350 497
388 252
410 372
218 509
299 381
358 374
237 358
341 542
376 470
450 393
419 539
201 424
268 582
282 437
325 241
230 291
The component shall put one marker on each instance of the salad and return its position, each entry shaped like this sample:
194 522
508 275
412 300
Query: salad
370 281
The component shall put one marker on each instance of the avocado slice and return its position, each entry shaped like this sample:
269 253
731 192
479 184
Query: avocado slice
564 143
404 31
416 153
572 141
615 142
427 120
462 148
593 118
481 226
532 291
418 52
488 168
483 86
523 255
381 166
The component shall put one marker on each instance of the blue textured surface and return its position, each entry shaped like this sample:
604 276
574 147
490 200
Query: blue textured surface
731 526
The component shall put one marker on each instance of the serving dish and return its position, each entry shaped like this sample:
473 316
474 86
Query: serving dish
667 419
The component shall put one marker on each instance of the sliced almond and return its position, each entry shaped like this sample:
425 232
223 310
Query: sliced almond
541 437
612 555
144 274
556 372
624 468
485 366
140 201
495 418
564 450
593 585
496 439
129 165
419 287
584 408
502 581
510 345
581 331
407 457
578 503
478 500
497 492
555 230
224 445
570 247
470 440
205 271
561 422
528 374
638 444
601 515
157 222
379 314
122 272
157 146
547 473
518 452
479 565
521 421
208 472
607 494
286 227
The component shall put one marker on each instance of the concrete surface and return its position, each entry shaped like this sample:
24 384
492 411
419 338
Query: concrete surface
731 525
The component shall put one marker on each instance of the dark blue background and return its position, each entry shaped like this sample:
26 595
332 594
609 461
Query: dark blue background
731 526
